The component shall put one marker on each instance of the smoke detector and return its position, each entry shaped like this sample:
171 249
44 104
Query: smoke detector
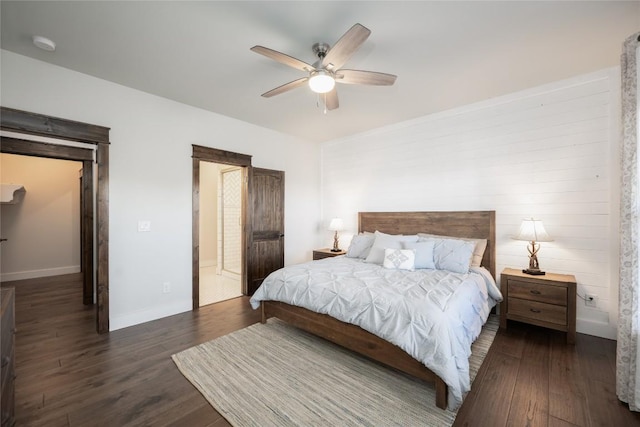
44 43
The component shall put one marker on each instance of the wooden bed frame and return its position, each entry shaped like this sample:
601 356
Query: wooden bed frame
473 224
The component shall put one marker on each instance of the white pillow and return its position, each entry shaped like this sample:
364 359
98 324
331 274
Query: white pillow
384 241
360 245
424 253
478 251
399 259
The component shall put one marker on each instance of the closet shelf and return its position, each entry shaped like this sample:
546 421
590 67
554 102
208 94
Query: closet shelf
12 194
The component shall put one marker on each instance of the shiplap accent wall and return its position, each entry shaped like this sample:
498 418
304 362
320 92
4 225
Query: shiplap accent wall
550 152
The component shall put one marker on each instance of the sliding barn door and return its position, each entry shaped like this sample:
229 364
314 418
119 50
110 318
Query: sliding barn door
266 253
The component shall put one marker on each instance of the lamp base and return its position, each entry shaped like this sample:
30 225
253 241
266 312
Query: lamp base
533 272
336 250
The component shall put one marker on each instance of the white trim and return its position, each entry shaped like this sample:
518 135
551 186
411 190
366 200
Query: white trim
230 274
597 329
204 263
34 274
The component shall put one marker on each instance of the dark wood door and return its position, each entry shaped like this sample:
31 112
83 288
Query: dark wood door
266 238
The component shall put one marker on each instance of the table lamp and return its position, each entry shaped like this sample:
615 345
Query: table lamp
533 232
336 225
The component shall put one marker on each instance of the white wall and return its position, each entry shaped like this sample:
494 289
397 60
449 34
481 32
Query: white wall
150 177
549 152
43 230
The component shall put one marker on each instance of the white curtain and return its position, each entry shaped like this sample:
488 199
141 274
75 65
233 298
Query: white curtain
628 351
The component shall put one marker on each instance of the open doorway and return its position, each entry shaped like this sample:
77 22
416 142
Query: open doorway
261 216
42 228
219 166
22 134
221 232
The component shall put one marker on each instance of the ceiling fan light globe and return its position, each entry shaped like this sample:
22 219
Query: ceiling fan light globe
321 82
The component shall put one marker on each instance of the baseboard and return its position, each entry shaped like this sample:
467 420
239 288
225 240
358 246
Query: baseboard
207 263
131 319
34 274
597 329
230 274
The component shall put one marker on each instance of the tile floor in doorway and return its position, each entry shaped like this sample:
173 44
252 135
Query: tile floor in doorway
216 287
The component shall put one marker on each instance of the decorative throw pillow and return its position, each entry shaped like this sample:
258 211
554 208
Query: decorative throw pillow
478 251
424 253
399 259
360 245
384 241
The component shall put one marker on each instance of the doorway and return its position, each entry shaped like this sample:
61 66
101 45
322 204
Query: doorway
221 228
213 162
262 217
41 229
23 136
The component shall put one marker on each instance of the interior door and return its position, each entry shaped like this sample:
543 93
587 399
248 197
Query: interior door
266 239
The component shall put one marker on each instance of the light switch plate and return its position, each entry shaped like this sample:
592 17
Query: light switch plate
144 226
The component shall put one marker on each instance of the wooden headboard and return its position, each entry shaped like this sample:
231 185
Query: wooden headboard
472 224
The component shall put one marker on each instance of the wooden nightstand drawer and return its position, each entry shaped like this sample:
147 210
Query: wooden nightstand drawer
537 311
546 300
538 292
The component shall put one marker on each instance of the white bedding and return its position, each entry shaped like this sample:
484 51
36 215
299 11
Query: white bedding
434 315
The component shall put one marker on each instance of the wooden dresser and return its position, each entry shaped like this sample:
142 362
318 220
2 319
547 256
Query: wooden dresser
548 301
7 303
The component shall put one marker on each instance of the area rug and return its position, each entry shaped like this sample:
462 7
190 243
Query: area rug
274 374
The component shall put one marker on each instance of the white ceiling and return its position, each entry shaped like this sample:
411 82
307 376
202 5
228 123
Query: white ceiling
445 54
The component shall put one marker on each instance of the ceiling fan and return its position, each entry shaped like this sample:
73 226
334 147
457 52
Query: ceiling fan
326 71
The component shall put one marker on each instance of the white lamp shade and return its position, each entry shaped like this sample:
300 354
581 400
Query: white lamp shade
321 82
532 230
336 224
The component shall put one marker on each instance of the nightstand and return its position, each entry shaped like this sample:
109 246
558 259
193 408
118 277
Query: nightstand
325 253
548 301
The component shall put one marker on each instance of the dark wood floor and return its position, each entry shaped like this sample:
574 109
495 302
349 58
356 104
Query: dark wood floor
67 375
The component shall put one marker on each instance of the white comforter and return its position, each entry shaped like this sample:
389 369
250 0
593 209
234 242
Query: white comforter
434 315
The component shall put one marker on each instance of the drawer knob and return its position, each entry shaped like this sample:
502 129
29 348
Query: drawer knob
534 310
535 292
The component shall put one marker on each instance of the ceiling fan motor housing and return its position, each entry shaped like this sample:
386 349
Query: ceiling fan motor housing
320 49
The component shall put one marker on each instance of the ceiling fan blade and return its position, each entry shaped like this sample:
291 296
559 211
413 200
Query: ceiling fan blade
282 58
286 87
331 99
345 47
359 77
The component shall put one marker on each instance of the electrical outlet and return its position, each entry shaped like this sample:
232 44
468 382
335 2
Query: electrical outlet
590 300
166 287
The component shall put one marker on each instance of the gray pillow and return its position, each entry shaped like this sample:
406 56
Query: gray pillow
360 245
478 251
424 253
386 241
452 254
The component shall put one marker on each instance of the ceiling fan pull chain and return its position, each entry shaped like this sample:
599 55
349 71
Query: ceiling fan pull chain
325 103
